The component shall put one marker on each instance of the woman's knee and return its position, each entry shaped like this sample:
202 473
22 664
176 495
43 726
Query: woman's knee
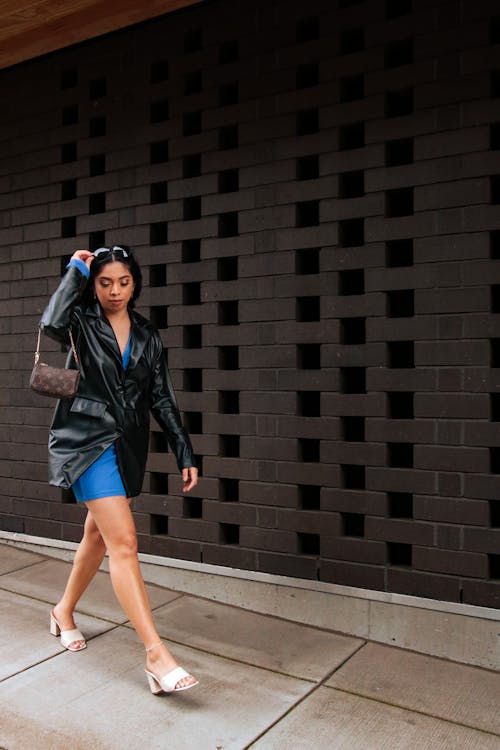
114 521
124 545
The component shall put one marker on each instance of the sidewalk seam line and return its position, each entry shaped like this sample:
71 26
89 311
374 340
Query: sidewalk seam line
77 611
52 656
239 660
23 567
420 712
316 686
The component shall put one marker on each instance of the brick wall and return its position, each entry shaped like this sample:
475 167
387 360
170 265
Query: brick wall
312 191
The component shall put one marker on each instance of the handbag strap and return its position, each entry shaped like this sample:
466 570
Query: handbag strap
73 349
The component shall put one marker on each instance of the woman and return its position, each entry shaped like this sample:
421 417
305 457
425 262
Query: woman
98 441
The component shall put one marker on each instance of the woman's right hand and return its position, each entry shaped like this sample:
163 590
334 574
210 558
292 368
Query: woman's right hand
84 255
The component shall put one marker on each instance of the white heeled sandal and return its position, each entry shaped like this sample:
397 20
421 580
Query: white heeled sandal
67 636
167 683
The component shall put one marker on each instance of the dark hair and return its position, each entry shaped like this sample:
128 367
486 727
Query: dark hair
114 255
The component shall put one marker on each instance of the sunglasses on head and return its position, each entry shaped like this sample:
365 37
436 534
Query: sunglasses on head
116 251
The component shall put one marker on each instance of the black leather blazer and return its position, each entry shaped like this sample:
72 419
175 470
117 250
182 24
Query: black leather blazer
112 405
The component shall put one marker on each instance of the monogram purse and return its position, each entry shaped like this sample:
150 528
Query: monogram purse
58 382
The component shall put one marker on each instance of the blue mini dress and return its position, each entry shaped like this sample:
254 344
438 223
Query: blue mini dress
102 478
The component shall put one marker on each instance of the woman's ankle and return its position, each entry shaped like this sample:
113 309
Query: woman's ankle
157 652
62 611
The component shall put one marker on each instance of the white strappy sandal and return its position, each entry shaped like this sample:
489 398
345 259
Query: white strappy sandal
68 637
167 683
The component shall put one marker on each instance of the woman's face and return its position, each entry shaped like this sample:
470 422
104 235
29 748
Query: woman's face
114 287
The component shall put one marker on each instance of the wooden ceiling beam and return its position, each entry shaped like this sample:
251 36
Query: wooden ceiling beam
42 26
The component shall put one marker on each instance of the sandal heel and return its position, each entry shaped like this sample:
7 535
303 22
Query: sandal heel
168 683
54 627
68 637
154 685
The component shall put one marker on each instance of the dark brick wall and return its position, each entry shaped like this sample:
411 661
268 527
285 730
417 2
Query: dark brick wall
313 191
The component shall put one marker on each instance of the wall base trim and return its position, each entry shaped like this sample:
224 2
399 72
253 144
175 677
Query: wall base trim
459 632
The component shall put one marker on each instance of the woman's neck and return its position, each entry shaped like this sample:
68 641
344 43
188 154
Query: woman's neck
120 318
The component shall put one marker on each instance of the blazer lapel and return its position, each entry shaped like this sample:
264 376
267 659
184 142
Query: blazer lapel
103 329
140 337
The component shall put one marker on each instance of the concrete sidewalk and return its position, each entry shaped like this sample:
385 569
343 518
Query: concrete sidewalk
265 683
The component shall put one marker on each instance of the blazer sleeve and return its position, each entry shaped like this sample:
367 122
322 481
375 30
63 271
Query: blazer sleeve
56 318
165 410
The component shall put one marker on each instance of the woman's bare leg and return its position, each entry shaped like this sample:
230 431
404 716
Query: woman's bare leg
87 561
113 518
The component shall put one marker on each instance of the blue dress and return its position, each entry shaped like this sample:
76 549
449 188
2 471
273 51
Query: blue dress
102 478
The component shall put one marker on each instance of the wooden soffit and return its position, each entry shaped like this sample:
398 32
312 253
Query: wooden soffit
31 28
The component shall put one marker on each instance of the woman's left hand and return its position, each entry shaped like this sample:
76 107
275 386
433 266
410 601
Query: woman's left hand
190 478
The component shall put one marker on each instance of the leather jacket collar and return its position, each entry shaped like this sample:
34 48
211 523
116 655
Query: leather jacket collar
140 327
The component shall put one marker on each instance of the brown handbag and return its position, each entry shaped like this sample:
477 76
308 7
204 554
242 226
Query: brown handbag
58 382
